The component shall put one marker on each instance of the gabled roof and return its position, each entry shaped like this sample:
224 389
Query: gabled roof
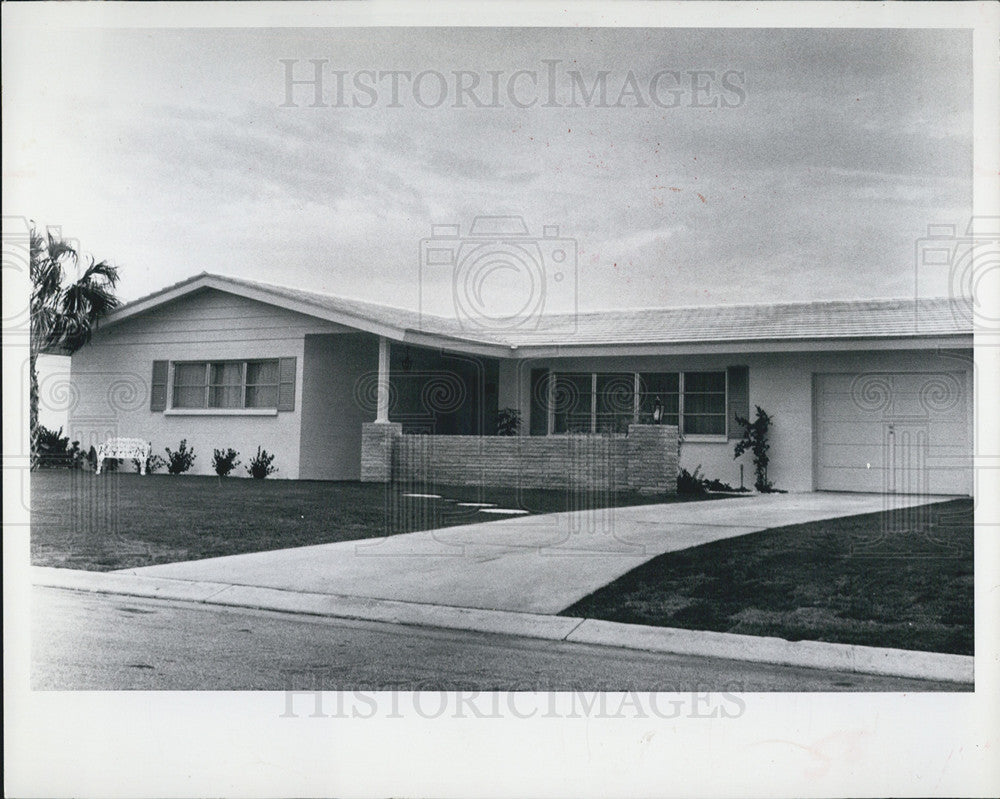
785 322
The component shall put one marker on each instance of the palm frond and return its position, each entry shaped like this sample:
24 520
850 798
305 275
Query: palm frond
65 316
59 249
101 270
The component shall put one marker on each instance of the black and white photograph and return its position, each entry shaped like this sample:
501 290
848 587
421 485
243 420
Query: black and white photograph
501 399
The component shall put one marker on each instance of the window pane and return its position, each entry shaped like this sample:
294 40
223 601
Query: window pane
262 372
707 425
571 401
188 397
662 386
615 393
225 397
704 381
226 386
189 374
705 403
189 385
227 374
659 383
615 402
262 396
262 384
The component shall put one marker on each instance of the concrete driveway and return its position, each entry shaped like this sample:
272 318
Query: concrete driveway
534 564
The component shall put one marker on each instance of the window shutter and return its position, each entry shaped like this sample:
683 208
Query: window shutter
158 386
286 384
738 381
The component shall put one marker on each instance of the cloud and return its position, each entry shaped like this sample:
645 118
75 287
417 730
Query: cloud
169 152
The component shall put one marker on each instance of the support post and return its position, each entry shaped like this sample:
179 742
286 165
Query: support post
382 407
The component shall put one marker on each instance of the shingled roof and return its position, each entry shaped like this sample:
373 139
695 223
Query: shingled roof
808 321
837 319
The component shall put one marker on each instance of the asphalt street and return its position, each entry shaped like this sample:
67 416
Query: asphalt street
89 641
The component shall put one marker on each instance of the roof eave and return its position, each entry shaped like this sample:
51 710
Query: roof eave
812 344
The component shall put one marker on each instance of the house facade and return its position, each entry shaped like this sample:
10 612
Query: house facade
864 395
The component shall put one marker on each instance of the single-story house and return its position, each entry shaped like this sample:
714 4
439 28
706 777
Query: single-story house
865 395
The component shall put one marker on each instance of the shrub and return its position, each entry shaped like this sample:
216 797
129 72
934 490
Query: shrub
53 450
508 422
690 482
153 462
755 439
718 485
260 467
181 460
224 461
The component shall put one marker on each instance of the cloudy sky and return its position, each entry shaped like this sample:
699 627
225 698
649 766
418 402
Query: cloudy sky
811 176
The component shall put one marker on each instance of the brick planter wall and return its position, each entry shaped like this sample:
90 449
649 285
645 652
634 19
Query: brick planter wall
597 462
378 441
653 456
645 460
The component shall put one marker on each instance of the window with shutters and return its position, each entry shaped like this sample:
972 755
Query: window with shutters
227 384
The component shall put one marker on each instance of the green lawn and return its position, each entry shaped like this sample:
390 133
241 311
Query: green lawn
898 580
123 520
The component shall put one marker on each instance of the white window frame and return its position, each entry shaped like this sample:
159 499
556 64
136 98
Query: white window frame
208 410
694 437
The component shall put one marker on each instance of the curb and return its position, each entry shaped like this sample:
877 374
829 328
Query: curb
666 640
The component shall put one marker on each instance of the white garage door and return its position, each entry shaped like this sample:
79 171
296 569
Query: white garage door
904 433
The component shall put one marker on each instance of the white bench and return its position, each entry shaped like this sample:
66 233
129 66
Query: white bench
134 448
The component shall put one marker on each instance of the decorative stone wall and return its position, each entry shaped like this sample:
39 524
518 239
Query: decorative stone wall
645 460
653 455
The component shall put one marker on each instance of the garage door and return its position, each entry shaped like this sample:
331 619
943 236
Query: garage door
905 433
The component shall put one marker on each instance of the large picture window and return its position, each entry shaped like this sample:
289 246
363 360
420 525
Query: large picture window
226 384
588 402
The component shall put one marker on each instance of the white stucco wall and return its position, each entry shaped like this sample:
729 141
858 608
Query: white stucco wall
781 383
111 377
336 400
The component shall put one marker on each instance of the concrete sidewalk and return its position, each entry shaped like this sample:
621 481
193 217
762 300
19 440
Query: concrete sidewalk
529 564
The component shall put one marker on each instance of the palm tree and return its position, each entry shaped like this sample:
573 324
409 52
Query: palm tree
64 311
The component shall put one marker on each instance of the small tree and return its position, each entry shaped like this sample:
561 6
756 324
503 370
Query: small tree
755 439
260 467
181 460
54 450
224 461
508 422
